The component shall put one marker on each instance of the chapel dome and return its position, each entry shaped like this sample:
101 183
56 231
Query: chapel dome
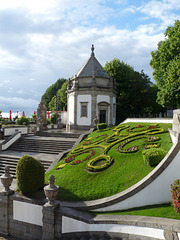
92 68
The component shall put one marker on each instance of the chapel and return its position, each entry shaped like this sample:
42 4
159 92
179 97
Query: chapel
91 94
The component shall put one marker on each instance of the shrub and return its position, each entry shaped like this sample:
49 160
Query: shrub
29 174
153 156
53 117
101 126
23 121
48 121
175 194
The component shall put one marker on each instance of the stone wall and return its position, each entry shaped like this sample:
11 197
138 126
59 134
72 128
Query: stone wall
67 224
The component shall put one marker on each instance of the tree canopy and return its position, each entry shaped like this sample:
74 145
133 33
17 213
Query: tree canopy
134 92
52 90
62 99
166 64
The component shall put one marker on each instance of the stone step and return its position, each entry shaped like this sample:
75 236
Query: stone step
41 146
58 134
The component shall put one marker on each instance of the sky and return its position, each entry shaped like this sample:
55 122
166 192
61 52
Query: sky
43 40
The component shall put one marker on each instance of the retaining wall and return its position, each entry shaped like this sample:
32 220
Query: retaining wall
27 218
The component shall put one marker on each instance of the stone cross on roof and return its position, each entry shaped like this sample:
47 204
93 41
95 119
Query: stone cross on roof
92 49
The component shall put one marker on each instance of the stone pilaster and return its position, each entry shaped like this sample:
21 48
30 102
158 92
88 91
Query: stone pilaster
93 106
111 110
75 110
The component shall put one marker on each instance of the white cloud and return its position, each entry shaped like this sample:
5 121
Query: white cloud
162 10
22 104
20 92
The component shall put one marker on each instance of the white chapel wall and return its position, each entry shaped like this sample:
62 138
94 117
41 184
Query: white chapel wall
103 98
86 121
71 109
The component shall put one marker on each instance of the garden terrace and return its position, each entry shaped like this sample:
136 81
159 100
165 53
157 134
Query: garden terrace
108 161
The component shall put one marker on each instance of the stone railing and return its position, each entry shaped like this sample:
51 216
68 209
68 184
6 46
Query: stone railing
9 141
29 218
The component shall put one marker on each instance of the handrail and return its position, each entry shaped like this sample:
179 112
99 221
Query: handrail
9 141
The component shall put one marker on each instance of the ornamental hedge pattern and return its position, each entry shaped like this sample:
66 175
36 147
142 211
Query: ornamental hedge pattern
104 142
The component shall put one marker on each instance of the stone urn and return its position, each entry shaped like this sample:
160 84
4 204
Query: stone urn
6 180
51 192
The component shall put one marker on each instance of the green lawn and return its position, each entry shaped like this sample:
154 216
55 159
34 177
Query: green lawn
163 211
77 183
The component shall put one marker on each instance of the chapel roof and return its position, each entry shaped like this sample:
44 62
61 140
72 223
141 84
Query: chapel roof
92 68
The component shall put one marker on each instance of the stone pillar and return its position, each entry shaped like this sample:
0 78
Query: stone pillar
50 211
49 221
6 180
176 121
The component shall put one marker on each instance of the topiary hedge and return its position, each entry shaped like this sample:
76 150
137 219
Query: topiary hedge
29 174
101 126
153 156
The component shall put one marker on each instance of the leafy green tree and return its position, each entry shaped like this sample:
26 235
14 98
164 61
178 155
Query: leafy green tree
23 121
1 118
62 99
52 90
133 89
166 64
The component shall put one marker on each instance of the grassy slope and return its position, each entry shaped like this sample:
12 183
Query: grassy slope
163 211
128 168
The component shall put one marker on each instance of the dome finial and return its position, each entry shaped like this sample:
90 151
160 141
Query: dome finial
92 49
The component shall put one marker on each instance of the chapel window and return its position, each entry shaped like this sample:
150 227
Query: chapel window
84 109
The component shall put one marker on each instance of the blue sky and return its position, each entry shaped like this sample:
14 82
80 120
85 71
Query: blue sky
43 40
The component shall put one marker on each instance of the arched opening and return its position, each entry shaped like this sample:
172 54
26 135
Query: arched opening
103 112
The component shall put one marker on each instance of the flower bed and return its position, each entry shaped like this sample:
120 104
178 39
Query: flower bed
91 154
175 194
106 142
91 165
152 145
152 139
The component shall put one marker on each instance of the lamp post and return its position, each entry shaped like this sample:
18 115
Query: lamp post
17 112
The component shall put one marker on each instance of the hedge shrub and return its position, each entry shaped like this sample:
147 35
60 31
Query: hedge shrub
23 121
29 174
153 156
101 126
53 118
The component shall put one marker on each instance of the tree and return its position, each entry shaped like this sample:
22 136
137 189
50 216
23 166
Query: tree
166 64
52 90
62 99
133 89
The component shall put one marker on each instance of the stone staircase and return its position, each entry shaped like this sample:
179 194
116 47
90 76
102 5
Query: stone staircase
38 145
11 161
58 134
